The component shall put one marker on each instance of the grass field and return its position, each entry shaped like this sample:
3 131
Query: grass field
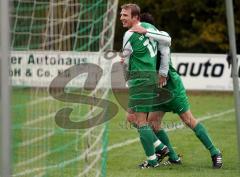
217 108
40 148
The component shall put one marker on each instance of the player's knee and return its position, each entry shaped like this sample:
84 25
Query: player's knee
156 129
153 117
131 118
154 125
153 121
188 119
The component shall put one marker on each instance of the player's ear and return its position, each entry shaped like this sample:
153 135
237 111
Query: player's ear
135 17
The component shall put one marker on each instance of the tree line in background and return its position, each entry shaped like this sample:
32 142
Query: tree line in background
196 26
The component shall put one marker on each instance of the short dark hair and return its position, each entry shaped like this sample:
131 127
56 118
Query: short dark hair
147 17
135 9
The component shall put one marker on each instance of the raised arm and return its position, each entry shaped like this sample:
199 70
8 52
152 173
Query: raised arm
160 36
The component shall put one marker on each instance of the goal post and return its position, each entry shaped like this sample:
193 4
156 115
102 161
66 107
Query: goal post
233 53
5 118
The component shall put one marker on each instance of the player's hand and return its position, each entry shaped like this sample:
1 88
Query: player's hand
122 60
162 81
131 117
138 29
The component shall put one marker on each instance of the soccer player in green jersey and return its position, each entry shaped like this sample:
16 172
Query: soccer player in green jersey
162 67
140 55
179 105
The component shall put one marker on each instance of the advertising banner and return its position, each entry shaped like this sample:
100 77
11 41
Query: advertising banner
204 71
38 69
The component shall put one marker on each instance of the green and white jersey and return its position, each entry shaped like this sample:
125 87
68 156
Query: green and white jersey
140 51
174 82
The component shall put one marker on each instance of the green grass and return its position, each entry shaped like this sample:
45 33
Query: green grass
55 147
123 161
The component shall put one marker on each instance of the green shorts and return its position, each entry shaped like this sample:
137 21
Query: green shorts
144 98
179 104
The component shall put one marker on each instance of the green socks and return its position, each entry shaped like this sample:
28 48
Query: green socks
158 145
203 136
163 137
147 138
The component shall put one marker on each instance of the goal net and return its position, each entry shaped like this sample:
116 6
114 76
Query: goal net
50 40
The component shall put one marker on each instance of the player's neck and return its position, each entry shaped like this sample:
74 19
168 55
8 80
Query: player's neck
135 23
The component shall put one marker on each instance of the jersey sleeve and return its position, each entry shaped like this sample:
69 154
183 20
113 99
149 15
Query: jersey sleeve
164 43
161 37
165 59
127 47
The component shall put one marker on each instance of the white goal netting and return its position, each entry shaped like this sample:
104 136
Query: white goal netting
48 37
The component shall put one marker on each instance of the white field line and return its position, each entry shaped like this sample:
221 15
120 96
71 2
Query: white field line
37 101
33 159
47 135
42 118
180 126
39 119
36 139
45 117
40 156
40 174
115 146
45 153
90 166
64 163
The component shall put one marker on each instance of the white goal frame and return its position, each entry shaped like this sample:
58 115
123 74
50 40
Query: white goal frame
5 118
